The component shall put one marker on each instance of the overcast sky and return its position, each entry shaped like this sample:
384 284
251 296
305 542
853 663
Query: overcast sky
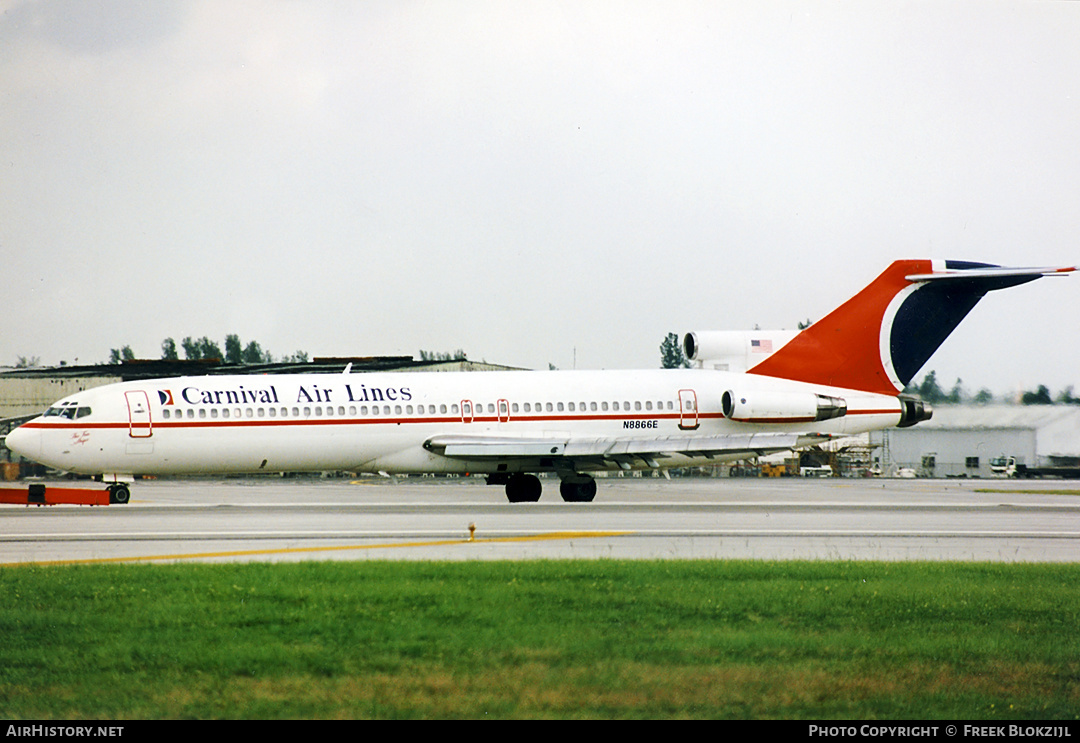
532 182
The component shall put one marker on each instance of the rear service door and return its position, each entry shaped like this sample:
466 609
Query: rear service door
688 410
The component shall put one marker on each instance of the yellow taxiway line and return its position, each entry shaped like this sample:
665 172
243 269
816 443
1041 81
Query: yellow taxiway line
338 548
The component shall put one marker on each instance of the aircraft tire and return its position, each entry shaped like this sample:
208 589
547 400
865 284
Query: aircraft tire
119 494
578 489
523 489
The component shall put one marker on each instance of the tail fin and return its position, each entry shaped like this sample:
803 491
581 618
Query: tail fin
879 339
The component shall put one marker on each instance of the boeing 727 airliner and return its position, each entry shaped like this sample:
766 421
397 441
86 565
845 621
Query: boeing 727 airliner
751 393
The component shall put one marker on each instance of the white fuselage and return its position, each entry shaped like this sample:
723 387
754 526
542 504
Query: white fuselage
377 422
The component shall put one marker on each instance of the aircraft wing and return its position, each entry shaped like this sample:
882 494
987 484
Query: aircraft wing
619 450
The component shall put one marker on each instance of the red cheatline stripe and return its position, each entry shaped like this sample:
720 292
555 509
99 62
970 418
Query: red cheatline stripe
282 422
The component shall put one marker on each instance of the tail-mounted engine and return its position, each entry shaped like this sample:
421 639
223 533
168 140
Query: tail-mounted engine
733 350
913 411
781 407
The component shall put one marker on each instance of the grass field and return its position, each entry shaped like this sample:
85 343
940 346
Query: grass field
594 639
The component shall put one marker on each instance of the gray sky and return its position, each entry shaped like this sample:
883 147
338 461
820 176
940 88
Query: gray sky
521 180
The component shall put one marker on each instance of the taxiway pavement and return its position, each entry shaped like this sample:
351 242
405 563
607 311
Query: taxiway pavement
270 519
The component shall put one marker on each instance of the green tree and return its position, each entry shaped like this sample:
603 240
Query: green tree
192 352
253 354
929 389
117 355
210 349
168 350
671 353
458 355
1066 396
1040 397
234 351
956 394
203 349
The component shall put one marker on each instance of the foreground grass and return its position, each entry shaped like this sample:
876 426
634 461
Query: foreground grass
541 639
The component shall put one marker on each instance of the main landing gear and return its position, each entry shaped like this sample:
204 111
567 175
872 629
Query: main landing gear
577 489
523 488
527 488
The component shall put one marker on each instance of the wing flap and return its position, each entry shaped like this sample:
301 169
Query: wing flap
615 449
472 447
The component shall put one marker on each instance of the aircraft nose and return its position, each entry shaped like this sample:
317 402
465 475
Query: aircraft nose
26 442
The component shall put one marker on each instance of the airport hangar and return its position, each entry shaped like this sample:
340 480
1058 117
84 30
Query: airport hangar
961 440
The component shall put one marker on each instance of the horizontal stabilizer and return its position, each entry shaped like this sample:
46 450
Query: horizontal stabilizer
879 339
990 272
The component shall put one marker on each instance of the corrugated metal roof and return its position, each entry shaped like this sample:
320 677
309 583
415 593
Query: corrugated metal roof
158 369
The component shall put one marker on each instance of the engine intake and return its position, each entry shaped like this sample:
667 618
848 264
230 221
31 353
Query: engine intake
734 350
714 344
781 407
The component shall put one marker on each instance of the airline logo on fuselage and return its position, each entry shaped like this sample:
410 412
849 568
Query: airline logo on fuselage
241 395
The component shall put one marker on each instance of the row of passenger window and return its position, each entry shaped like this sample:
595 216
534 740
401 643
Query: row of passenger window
591 407
466 408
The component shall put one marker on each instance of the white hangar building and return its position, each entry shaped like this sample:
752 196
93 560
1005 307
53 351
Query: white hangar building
960 440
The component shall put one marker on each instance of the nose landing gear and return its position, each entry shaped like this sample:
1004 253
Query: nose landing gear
119 493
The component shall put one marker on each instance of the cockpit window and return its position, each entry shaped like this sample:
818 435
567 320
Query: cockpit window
69 410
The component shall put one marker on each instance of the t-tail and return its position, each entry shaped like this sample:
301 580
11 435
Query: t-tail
879 339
